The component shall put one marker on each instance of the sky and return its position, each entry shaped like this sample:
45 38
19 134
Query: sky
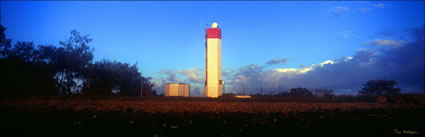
277 45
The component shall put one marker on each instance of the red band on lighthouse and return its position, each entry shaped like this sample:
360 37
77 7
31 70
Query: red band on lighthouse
214 33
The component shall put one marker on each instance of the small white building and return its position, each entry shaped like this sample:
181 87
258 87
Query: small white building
177 89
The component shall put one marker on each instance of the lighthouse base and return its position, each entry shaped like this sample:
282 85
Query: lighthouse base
213 91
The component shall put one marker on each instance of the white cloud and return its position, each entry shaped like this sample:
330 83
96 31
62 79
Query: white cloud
339 10
171 75
345 34
156 83
240 77
348 59
192 74
305 69
325 63
364 10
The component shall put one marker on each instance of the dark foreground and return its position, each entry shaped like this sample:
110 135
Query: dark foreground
55 117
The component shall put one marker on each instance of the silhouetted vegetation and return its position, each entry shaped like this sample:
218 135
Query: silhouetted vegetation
379 88
300 92
28 70
71 61
323 92
107 77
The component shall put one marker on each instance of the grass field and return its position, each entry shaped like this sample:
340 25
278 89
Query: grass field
206 117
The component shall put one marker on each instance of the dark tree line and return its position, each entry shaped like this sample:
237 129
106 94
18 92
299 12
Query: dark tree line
371 88
27 69
379 88
296 92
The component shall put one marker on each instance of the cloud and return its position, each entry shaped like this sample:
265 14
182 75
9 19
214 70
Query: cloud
370 7
192 74
226 72
404 64
348 59
171 75
156 83
380 5
345 34
254 75
304 69
277 61
398 33
342 10
196 92
339 10
364 10
385 42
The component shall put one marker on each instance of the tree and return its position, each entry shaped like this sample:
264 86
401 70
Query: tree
282 94
71 62
23 50
100 78
379 87
21 73
5 43
300 92
147 87
26 69
46 53
106 77
323 92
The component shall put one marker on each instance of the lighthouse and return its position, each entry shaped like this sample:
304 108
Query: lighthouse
213 80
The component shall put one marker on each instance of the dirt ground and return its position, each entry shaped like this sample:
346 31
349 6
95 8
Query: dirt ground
206 117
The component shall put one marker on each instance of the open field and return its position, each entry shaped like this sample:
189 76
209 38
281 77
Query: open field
206 117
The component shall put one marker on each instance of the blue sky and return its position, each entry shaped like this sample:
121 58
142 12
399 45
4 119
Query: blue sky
167 38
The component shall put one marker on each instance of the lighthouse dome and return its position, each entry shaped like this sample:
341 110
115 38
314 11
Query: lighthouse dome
214 25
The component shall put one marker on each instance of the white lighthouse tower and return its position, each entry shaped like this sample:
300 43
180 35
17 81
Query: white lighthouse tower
213 80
